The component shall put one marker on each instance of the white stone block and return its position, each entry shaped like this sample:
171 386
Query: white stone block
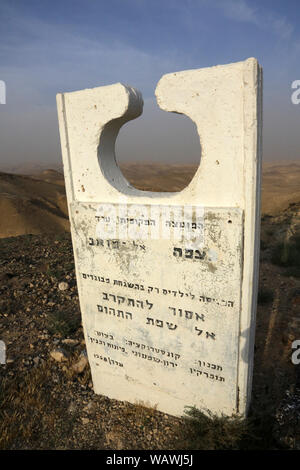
168 281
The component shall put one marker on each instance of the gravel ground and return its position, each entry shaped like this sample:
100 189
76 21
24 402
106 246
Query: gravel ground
41 327
47 400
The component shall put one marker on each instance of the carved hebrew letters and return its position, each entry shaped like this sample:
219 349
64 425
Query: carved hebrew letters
167 282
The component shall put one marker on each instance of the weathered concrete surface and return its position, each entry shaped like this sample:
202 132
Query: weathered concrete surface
169 320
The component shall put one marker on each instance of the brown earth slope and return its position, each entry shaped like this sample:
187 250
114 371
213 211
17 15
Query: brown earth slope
280 182
37 203
280 186
29 205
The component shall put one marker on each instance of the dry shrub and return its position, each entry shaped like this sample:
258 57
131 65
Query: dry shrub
30 416
209 432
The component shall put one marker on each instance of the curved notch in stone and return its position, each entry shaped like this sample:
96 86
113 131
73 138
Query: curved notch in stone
109 132
220 100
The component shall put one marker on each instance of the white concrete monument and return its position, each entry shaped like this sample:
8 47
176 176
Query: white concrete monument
168 281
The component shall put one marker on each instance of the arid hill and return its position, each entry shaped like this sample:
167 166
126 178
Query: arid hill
29 205
30 168
280 182
280 186
37 203
50 176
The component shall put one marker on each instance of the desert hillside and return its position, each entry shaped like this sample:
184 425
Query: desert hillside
280 186
280 182
37 203
32 205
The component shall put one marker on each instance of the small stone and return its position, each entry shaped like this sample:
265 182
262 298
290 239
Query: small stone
72 407
63 286
70 342
88 407
36 360
80 365
85 420
59 355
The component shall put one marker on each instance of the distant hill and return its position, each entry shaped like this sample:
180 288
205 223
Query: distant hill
50 176
158 177
30 168
32 205
280 181
37 203
280 186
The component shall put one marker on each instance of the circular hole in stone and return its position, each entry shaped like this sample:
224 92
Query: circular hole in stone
158 151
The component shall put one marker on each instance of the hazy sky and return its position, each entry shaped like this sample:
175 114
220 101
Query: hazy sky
53 46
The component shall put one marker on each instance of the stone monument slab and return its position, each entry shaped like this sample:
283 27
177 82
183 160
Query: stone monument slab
168 281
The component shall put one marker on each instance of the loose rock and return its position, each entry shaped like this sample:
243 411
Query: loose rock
80 365
63 286
59 355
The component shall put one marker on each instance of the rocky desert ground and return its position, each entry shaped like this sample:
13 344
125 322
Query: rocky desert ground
47 401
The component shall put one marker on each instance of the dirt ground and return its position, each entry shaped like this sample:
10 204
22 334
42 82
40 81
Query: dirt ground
47 404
